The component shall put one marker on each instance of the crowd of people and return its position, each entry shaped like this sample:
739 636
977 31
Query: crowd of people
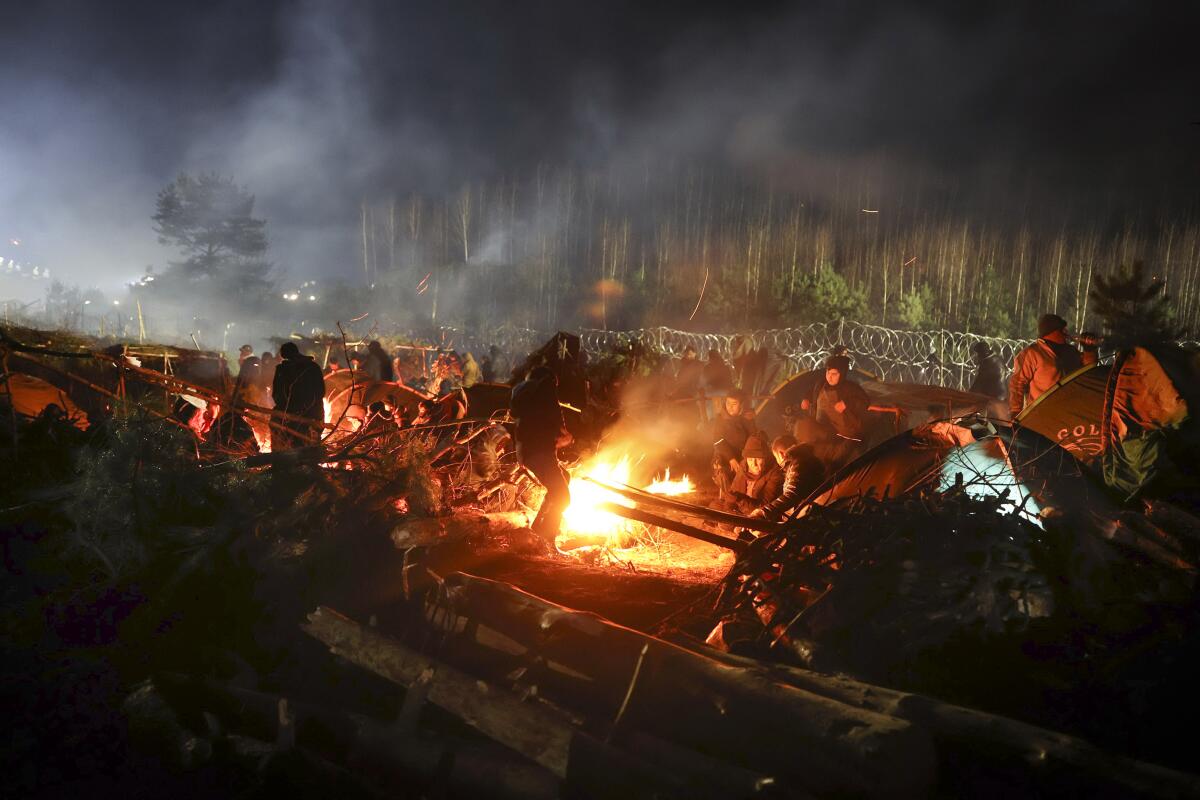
291 386
754 474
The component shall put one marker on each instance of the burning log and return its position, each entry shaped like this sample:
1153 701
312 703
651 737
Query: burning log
646 517
686 697
667 503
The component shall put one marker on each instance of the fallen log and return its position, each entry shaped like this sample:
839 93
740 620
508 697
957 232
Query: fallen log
646 517
543 734
966 738
390 754
976 750
714 708
540 734
667 503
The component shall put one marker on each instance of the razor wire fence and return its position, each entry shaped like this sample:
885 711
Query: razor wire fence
935 357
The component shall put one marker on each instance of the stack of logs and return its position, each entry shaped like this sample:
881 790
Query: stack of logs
599 710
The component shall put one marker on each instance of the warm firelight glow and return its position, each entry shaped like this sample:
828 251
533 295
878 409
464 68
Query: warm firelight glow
584 517
666 486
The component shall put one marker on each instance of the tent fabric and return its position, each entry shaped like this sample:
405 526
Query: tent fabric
32 396
991 460
1123 418
919 402
1071 411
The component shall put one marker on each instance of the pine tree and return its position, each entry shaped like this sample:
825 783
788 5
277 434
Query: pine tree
1135 309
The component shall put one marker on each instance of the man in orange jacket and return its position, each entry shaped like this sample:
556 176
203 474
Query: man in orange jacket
1045 362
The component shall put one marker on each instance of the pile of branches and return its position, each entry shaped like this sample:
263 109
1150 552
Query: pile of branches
963 597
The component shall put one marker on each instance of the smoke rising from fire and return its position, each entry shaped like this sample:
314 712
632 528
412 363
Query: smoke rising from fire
319 107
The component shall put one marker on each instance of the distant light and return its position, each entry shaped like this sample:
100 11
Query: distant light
15 242
312 297
149 278
116 302
87 302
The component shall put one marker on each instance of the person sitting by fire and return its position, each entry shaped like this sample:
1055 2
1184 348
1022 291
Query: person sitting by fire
427 413
1048 360
802 474
759 479
731 429
839 406
540 432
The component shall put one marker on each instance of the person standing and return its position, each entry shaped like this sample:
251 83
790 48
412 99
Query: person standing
377 364
471 374
1045 362
299 391
540 432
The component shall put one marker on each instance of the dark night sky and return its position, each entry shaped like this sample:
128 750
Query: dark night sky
314 105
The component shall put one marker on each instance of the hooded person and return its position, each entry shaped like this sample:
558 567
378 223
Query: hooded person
840 406
759 480
1044 363
377 364
471 373
803 472
989 373
299 391
540 432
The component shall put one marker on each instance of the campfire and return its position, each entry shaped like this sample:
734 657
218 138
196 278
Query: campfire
586 523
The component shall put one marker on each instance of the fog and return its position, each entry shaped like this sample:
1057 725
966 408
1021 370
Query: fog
317 108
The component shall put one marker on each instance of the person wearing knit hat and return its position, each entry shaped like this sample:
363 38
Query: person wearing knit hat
758 481
1041 365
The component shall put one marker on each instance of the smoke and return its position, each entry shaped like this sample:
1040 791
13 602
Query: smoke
319 108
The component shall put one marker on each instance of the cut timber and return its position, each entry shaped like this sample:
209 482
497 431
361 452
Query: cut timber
967 738
740 715
667 503
542 735
646 517
386 753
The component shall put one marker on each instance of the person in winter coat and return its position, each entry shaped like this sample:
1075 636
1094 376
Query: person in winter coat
1045 362
989 373
731 429
471 373
298 389
377 364
802 474
540 432
759 480
840 407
